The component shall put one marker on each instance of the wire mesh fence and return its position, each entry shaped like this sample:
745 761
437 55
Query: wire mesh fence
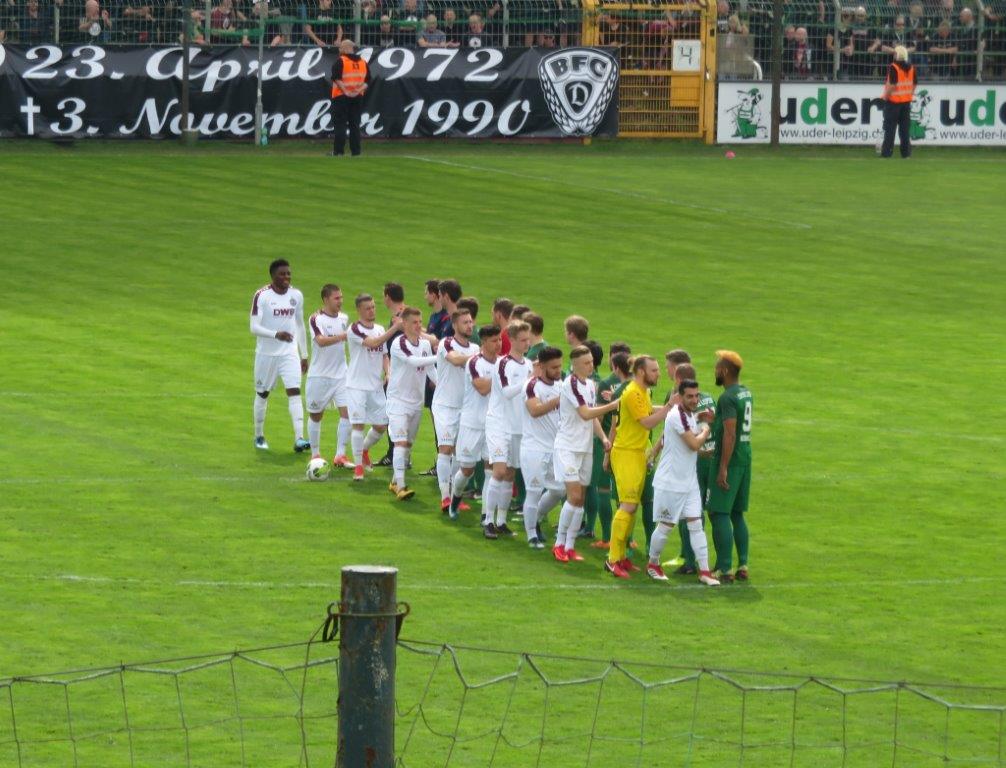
463 706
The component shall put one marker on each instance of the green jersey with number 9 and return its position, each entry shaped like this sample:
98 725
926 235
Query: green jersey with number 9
736 402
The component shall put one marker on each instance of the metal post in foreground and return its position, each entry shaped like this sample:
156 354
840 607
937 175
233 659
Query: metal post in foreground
367 624
189 136
776 69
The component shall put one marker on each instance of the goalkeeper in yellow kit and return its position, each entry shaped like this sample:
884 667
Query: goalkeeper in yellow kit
636 417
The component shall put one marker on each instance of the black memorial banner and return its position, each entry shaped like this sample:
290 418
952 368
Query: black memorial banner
52 91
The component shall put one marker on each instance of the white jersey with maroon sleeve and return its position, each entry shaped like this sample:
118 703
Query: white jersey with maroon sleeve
407 379
272 312
676 469
539 431
508 379
574 433
450 391
327 362
366 366
474 404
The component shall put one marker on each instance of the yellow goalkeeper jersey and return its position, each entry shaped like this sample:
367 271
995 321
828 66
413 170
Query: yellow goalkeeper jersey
633 405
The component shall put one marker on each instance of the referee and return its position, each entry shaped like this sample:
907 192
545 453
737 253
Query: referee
899 89
350 77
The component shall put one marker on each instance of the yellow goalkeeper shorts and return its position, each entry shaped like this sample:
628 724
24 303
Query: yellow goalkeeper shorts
629 469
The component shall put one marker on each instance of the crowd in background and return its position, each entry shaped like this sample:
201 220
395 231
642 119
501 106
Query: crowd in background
944 37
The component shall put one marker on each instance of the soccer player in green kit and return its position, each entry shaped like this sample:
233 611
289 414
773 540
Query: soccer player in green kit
730 473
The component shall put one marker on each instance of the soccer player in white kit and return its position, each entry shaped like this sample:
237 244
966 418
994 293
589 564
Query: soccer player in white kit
676 484
471 446
326 377
573 457
365 399
504 426
541 422
453 355
277 320
412 363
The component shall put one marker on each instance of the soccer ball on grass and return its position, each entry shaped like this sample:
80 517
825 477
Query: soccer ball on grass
318 469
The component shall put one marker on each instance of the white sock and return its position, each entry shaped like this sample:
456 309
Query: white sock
658 541
564 517
531 498
548 500
314 435
459 483
372 437
489 500
344 429
399 462
503 496
574 527
297 416
455 464
356 440
697 535
444 474
259 412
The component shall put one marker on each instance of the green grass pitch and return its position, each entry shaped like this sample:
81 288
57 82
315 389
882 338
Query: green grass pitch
139 522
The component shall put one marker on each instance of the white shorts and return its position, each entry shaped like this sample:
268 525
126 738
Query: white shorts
367 406
471 448
402 427
573 466
268 368
503 447
671 506
537 468
322 390
446 420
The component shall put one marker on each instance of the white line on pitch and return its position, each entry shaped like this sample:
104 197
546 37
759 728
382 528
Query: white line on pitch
608 190
420 587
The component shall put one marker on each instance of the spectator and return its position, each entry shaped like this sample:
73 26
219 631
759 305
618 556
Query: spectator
95 26
946 12
722 16
224 18
35 24
452 30
325 31
137 22
799 58
6 19
841 39
865 44
897 35
892 10
475 37
381 36
409 11
995 38
432 36
968 45
942 49
917 20
196 23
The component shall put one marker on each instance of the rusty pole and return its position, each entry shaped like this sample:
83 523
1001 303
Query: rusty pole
367 667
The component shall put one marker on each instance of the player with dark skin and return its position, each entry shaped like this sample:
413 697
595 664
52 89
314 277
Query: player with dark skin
281 282
726 376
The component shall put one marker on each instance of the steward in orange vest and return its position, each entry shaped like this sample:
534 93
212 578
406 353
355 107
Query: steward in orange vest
350 78
898 92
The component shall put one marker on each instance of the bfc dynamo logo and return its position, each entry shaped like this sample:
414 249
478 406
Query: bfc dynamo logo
578 84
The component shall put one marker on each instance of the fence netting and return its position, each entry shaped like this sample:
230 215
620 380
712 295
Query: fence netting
823 39
464 706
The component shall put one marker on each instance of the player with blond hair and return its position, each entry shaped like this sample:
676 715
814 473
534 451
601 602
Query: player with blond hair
636 417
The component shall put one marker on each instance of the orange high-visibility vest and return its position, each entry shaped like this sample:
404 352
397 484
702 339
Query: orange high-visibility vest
902 91
354 75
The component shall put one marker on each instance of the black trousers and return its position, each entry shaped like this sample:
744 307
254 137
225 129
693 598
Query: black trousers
897 116
346 116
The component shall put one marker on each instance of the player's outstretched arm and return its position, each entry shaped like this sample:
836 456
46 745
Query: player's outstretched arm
537 408
373 342
588 412
695 441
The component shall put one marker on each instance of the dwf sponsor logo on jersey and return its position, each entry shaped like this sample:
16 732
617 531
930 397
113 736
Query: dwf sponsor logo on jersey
578 84
282 312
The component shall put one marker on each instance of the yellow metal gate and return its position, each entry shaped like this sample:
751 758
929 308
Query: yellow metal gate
667 58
